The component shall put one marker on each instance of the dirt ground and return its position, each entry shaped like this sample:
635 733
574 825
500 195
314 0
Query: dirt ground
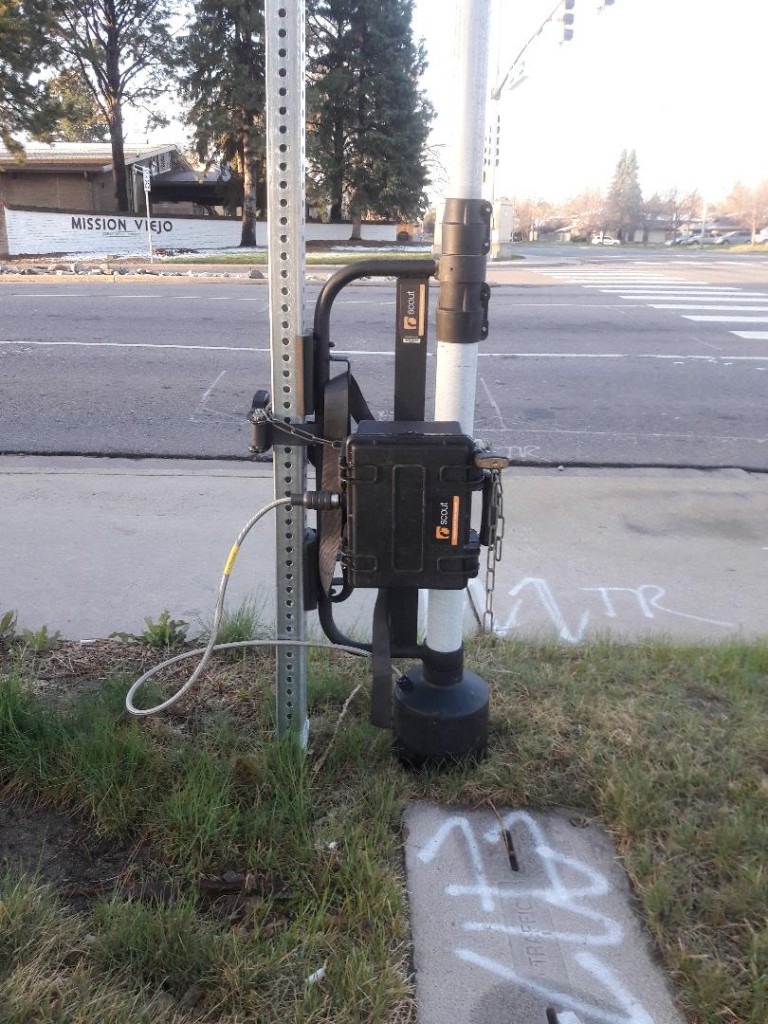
59 849
62 848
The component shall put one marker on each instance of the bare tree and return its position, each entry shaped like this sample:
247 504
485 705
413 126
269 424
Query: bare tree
122 50
679 208
749 206
531 214
587 212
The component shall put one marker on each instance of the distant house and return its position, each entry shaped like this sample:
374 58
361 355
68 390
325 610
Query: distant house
78 176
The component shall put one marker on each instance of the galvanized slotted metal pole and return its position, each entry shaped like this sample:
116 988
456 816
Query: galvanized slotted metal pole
284 30
456 372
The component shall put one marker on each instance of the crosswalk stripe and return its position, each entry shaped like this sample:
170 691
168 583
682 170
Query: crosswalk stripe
735 293
729 319
700 305
694 294
690 286
749 301
675 293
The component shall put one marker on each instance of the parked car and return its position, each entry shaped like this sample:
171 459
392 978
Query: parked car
605 240
693 240
735 238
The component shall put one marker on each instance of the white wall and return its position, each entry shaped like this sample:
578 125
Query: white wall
31 232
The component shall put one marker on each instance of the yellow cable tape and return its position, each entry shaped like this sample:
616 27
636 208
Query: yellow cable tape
231 559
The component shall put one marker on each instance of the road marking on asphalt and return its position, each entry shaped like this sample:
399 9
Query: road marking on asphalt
617 275
683 293
74 294
688 286
729 319
386 353
136 295
699 297
752 335
736 309
133 344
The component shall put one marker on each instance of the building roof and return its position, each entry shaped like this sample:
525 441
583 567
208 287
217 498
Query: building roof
75 156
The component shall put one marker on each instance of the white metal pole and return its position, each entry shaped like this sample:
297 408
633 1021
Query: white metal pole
284 30
456 373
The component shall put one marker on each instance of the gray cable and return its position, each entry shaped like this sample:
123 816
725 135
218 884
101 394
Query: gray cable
212 646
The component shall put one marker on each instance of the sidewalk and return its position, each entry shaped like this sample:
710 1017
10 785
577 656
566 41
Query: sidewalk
89 546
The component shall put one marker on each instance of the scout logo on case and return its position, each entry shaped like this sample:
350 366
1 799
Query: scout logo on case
447 528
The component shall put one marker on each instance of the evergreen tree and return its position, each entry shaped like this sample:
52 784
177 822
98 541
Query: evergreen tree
26 47
224 83
368 120
81 119
122 51
625 199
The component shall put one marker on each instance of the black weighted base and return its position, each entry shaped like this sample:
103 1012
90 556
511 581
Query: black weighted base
440 724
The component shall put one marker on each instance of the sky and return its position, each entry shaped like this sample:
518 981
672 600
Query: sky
682 82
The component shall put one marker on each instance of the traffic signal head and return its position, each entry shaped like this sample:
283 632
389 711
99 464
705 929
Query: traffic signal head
566 20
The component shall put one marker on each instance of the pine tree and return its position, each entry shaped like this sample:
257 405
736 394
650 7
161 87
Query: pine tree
368 121
625 198
122 51
26 47
81 120
224 83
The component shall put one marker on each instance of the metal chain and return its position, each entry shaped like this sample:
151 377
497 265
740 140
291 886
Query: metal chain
495 543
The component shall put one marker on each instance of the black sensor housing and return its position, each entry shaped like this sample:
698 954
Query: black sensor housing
408 488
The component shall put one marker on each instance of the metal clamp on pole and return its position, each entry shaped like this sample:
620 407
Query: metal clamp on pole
462 308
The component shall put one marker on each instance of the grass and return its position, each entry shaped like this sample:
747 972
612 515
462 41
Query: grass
257 870
330 258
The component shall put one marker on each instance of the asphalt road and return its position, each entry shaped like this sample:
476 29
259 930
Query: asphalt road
615 359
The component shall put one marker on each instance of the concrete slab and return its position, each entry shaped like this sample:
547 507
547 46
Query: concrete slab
525 919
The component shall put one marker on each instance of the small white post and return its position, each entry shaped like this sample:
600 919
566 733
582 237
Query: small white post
147 175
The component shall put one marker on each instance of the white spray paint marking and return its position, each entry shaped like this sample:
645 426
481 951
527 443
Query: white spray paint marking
202 411
568 887
493 403
653 603
432 848
537 592
546 599
558 893
631 1011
